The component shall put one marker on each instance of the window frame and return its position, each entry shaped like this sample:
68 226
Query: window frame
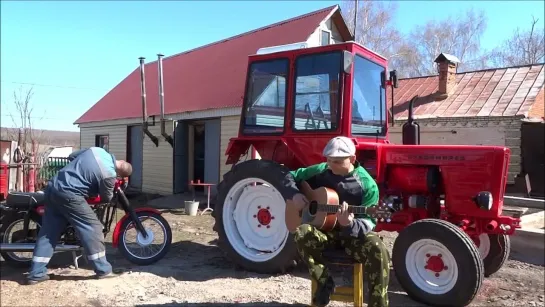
244 112
385 123
328 35
98 137
340 94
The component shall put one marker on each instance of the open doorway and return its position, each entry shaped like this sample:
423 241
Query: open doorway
198 154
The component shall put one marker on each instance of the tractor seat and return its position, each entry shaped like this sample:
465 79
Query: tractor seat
24 199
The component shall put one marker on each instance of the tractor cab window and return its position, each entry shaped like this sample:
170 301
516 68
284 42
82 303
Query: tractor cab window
264 108
317 92
368 99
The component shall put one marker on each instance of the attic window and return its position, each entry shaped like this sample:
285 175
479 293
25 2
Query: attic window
326 38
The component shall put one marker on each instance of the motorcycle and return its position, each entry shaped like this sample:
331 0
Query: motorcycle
24 208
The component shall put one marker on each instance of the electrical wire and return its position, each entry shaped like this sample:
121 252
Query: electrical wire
53 85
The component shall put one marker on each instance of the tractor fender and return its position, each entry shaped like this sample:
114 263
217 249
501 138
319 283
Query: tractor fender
117 229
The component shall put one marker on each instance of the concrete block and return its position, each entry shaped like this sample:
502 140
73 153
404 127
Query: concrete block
527 245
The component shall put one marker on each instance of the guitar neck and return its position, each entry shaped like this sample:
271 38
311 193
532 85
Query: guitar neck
334 208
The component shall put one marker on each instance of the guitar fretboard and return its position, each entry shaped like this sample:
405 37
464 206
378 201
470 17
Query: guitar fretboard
334 208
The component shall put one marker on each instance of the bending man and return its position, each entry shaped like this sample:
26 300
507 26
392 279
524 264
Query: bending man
91 172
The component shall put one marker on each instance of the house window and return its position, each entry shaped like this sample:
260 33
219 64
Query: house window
326 38
102 141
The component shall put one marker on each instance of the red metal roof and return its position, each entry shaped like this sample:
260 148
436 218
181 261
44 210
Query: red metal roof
509 91
209 77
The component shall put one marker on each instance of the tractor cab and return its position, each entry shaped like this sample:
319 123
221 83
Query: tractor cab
297 98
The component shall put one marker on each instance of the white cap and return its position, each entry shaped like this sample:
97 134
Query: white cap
340 146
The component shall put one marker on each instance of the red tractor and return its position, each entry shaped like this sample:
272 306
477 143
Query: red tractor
447 199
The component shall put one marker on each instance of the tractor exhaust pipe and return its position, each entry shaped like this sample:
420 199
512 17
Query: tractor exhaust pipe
29 247
411 130
167 137
144 107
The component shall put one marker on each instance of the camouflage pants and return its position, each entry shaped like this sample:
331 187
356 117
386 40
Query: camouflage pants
370 251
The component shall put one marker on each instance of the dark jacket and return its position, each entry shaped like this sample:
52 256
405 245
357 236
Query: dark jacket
90 172
358 188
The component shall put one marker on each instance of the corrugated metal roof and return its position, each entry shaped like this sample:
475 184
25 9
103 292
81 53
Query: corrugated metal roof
209 77
509 91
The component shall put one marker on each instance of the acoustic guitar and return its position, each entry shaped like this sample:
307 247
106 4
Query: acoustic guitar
321 211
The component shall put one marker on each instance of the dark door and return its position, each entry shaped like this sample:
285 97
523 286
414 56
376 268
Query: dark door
135 155
199 148
212 152
180 157
533 151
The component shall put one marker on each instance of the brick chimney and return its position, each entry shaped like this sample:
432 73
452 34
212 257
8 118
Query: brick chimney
447 64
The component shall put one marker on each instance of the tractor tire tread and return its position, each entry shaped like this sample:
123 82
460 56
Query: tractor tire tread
500 248
284 261
452 298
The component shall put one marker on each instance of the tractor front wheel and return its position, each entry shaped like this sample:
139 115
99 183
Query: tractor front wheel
438 264
249 217
494 250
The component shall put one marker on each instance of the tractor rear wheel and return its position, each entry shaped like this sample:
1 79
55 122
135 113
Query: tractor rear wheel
249 214
494 250
437 263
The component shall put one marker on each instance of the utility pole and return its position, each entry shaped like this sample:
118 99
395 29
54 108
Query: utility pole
356 21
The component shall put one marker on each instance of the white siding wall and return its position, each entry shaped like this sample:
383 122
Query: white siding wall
157 169
328 25
158 166
229 129
117 138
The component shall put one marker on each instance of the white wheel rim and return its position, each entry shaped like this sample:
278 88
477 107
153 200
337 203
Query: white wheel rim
483 245
256 236
143 242
435 279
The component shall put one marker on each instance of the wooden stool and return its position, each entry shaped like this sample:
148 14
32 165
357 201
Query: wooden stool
344 294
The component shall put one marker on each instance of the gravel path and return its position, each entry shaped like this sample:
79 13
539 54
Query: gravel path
195 273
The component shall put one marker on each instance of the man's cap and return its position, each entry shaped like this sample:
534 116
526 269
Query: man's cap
340 146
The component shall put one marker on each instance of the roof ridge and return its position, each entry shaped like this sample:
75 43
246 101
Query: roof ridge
479 70
253 31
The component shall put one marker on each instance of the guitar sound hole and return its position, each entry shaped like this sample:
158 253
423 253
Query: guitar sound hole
313 207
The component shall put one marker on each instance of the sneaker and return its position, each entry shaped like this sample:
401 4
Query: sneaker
323 293
33 281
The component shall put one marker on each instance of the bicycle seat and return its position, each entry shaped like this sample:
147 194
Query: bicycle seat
24 199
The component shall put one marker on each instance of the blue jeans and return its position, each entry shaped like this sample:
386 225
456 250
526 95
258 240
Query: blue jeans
62 209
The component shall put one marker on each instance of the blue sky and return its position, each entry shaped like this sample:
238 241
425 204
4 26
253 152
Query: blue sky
75 52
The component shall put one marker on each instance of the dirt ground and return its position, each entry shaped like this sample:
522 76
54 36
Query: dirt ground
195 273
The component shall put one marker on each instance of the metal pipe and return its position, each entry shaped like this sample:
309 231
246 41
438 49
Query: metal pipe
356 21
28 247
143 90
167 137
144 107
161 90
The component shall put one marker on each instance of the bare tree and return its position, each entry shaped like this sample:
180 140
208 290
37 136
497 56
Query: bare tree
456 35
375 25
24 120
522 48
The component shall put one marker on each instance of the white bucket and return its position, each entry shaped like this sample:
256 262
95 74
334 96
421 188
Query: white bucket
191 207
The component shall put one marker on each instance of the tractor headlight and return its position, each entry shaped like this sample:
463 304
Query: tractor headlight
484 200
